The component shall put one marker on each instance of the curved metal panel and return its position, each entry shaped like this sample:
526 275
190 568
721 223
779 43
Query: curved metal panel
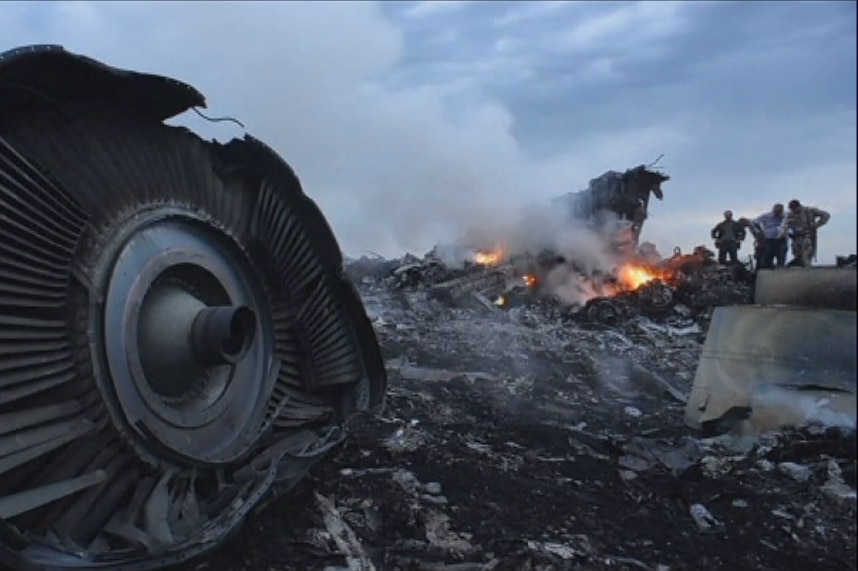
823 287
52 73
780 365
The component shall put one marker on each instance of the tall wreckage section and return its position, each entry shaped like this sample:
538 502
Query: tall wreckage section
178 341
623 195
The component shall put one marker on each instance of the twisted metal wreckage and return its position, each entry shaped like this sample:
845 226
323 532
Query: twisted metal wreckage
624 195
177 339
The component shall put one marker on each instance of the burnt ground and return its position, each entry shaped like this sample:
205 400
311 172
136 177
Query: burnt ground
515 441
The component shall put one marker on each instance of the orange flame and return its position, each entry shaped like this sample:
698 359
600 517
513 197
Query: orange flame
491 258
529 280
500 301
632 277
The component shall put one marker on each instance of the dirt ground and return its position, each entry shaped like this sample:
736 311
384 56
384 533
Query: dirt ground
538 455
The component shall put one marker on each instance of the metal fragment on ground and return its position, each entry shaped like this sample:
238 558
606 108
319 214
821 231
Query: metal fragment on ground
704 520
343 535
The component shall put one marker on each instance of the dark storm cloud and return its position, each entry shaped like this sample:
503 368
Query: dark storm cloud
410 122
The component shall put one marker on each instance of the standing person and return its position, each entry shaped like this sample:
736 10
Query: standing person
773 249
803 221
728 235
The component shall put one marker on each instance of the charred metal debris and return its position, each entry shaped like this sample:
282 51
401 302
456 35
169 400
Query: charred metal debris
519 425
514 434
682 286
624 195
177 339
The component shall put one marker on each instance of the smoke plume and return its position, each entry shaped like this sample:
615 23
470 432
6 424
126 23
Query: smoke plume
394 168
783 406
546 227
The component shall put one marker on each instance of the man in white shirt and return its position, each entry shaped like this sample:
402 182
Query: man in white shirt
774 243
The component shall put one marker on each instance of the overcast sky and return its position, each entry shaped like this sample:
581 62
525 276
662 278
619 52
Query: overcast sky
408 122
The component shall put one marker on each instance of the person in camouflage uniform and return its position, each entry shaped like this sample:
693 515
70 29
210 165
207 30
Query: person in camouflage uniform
728 236
802 222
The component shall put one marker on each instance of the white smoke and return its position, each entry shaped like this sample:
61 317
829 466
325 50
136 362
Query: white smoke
571 287
546 228
394 168
782 406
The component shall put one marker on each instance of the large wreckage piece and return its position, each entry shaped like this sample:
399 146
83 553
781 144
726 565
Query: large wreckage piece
825 287
177 338
624 195
786 363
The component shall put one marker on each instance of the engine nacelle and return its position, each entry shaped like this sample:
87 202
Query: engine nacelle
177 336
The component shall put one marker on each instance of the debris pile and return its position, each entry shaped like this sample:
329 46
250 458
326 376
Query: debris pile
535 420
682 286
515 434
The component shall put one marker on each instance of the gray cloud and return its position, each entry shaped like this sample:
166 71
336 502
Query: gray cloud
751 102
412 122
393 168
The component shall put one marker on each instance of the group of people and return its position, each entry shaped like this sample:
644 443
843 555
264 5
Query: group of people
771 231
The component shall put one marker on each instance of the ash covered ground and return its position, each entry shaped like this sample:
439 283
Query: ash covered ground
538 437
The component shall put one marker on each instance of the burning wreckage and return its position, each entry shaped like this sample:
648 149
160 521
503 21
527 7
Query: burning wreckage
614 207
144 419
711 406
